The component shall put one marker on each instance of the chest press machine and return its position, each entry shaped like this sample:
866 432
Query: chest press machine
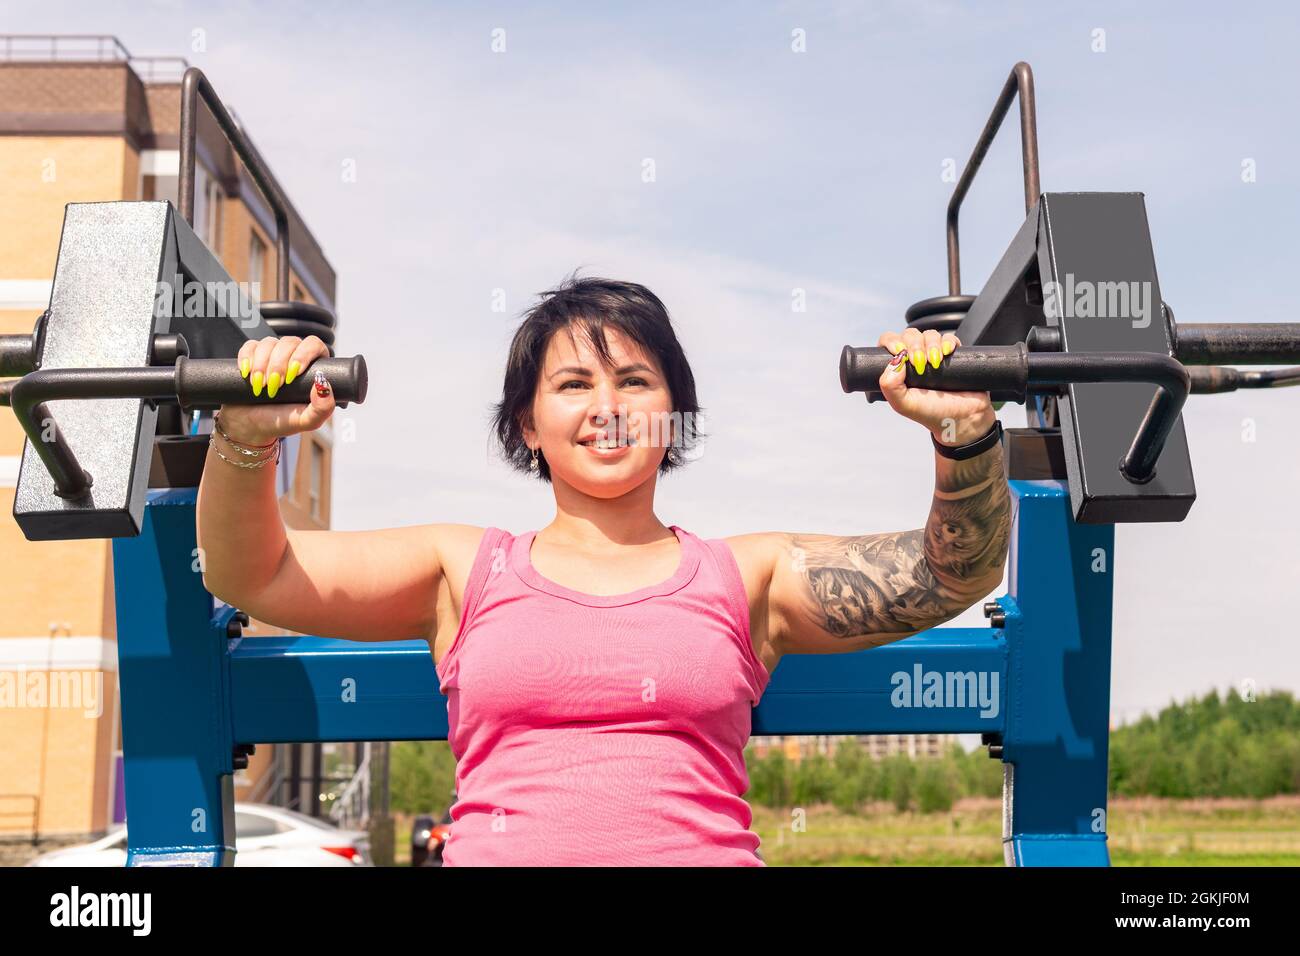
105 384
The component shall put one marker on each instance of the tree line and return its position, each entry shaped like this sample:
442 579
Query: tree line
1211 746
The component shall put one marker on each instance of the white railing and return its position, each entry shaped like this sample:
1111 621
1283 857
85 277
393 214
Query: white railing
352 808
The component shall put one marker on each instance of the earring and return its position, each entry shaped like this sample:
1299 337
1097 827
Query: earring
673 457
532 465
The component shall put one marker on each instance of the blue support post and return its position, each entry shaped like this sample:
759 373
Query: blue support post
174 674
1058 632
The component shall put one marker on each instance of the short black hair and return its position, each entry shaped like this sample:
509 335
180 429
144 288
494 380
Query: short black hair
591 304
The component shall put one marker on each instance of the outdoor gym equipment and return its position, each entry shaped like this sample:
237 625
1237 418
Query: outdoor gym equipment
1072 324
197 695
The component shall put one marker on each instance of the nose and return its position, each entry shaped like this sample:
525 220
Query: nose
604 405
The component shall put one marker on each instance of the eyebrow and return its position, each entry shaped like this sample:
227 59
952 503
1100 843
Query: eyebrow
575 370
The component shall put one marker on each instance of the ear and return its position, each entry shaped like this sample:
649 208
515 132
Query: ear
526 427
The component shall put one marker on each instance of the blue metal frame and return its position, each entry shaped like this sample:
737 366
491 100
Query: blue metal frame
190 692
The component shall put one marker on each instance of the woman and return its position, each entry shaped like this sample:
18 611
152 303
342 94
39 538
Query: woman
600 673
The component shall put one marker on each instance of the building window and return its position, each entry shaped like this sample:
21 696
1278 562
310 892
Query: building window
207 209
212 234
317 479
256 265
159 169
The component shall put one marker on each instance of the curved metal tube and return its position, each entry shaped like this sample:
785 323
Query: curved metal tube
32 391
1010 372
195 85
194 383
1172 387
1021 81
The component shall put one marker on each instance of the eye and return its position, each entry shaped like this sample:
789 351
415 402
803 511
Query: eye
580 382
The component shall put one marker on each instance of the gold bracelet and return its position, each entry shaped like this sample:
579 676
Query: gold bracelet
263 452
241 447
274 456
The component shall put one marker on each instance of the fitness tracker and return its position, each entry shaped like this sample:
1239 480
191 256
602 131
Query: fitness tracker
970 449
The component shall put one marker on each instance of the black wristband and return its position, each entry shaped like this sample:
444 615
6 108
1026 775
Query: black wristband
970 449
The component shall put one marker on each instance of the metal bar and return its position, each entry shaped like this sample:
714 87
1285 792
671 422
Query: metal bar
296 689
1021 81
95 49
882 690
194 383
1008 372
17 354
1003 313
1172 386
1208 380
311 689
193 86
1236 343
30 393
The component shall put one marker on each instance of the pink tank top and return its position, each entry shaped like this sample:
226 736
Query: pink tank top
601 730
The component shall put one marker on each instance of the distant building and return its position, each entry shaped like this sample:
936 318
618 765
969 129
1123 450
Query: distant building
876 746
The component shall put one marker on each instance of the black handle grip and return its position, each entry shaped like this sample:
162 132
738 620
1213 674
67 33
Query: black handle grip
194 383
1000 370
211 383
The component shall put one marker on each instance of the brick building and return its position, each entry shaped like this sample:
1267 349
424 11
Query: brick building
81 120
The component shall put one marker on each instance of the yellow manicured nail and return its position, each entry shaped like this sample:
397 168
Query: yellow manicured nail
947 347
294 369
918 361
273 385
244 366
257 383
935 356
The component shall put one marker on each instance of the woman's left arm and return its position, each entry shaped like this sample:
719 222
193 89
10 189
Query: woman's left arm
832 593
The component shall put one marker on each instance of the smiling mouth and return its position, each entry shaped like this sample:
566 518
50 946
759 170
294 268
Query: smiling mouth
608 444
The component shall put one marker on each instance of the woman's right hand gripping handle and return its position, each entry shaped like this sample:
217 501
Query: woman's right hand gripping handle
266 364
241 534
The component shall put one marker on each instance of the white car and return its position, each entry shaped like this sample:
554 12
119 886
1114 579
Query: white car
264 836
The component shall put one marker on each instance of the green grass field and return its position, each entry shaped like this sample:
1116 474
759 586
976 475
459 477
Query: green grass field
1142 832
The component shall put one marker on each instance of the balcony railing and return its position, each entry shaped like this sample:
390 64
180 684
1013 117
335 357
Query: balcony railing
88 48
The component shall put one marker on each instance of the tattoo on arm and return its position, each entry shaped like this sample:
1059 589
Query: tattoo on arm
902 582
969 527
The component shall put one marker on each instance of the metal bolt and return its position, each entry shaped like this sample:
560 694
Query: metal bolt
235 626
239 755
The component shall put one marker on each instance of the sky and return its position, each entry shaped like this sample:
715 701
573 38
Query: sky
442 178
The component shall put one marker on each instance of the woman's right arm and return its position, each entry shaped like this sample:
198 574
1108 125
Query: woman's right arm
357 585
